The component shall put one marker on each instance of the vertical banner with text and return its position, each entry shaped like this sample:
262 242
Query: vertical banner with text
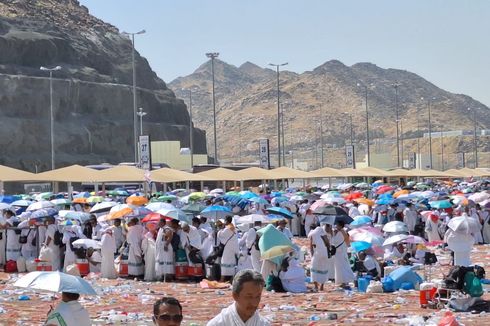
264 155
350 159
145 152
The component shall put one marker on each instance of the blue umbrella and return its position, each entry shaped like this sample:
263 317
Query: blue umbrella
44 212
440 204
361 220
248 195
280 211
358 246
84 194
384 201
259 200
281 199
21 203
9 199
216 212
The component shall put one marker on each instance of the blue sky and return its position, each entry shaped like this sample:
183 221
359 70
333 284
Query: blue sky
444 41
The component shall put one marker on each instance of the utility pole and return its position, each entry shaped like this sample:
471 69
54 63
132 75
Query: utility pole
212 56
278 113
396 85
321 138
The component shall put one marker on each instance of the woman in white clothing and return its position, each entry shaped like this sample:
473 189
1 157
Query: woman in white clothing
340 240
432 228
164 253
108 244
148 246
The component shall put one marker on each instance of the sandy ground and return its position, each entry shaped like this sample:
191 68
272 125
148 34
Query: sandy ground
132 301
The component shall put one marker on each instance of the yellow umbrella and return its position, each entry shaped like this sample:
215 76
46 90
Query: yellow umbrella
276 251
401 192
136 200
365 201
119 214
95 199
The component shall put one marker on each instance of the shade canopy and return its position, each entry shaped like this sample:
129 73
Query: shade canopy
253 174
121 173
73 173
172 175
220 174
11 174
328 173
285 172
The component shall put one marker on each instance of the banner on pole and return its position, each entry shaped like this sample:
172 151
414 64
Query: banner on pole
145 152
264 155
350 156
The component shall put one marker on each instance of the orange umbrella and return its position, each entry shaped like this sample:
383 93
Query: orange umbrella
80 200
401 192
353 196
154 217
119 214
365 201
136 200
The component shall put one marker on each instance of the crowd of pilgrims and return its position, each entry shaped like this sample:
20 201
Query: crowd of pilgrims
153 250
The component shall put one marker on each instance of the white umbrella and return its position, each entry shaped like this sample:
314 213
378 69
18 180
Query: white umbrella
4 206
296 198
338 200
55 282
394 239
459 224
39 205
367 237
176 214
158 206
118 207
252 218
82 217
104 206
479 197
217 191
21 203
87 243
395 226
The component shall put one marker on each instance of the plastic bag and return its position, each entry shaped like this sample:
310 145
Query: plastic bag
448 320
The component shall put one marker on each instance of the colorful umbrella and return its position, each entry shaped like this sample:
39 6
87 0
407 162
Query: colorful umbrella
361 220
61 202
39 205
400 193
248 194
395 239
175 214
55 282
195 196
164 198
82 217
367 237
365 201
259 200
216 212
136 200
439 204
21 203
353 195
384 189
79 200
273 243
152 217
358 246
95 199
102 207
395 226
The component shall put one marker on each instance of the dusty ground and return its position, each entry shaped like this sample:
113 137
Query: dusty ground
133 300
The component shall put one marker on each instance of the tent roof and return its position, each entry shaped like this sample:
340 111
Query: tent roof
219 174
121 173
73 173
348 172
483 172
172 175
399 173
328 173
430 173
474 172
373 172
11 174
254 174
285 172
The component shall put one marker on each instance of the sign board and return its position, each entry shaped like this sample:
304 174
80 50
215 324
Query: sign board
264 156
350 159
145 152
461 160
412 160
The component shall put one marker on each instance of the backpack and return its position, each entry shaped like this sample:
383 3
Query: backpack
58 237
472 285
273 283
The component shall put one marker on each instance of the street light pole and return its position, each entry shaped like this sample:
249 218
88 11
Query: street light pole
212 56
51 112
418 139
135 123
278 113
442 149
430 135
322 161
475 140
396 85
141 114
191 131
367 123
282 136
351 128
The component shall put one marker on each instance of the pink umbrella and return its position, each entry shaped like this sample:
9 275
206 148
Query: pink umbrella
414 239
317 204
368 229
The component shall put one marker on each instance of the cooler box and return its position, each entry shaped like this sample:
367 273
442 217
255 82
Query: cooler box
181 265
83 266
195 270
427 293
123 268
43 266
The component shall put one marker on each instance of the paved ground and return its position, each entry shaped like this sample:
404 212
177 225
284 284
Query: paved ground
134 300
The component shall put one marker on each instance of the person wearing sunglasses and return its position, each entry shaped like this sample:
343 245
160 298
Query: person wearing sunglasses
167 311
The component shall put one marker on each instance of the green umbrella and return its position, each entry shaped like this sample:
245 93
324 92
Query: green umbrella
164 198
233 193
273 244
193 208
197 196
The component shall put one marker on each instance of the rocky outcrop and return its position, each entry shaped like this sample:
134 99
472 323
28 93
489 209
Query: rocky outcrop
92 94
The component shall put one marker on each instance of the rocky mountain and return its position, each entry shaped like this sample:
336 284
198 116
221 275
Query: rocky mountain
92 93
246 102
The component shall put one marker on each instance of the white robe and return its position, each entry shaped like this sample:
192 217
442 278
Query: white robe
432 230
461 245
255 259
149 250
135 257
27 250
108 244
164 259
13 245
485 215
229 260
476 228
55 249
321 266
293 280
343 272
70 258
229 317
69 314
117 233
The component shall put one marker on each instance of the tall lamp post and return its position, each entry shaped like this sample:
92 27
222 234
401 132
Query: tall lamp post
442 148
401 140
282 136
51 110
135 123
191 132
278 113
322 161
396 85
351 128
475 140
141 114
367 123
212 56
